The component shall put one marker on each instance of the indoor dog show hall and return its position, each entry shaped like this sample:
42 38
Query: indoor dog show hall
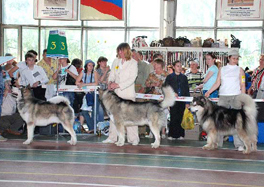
132 93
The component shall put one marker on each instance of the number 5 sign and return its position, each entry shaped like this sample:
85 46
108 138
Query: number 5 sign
57 45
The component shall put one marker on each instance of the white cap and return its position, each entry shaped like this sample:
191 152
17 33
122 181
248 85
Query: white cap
194 61
233 53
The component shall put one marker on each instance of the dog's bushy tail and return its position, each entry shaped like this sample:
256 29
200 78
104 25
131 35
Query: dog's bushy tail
169 97
250 108
59 99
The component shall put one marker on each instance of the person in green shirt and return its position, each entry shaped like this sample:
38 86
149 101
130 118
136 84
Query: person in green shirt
143 73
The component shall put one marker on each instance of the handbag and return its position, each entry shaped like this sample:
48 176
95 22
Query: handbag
208 42
181 41
235 42
90 95
90 98
69 79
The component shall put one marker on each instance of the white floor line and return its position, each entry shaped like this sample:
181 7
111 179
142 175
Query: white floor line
61 183
124 165
140 154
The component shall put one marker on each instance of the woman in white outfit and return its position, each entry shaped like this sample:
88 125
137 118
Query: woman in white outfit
232 80
122 80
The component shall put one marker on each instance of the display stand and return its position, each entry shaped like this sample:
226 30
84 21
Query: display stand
171 54
57 48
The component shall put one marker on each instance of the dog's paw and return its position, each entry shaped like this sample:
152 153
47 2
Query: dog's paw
154 145
72 142
207 147
120 143
246 152
27 142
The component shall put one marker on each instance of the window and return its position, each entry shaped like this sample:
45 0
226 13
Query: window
143 13
195 13
104 23
11 42
60 23
250 46
18 12
29 40
191 34
151 35
102 43
239 23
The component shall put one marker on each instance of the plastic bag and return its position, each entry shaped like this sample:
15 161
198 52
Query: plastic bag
187 120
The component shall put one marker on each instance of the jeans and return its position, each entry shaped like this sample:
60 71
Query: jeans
212 95
100 116
90 118
1 90
70 96
1 98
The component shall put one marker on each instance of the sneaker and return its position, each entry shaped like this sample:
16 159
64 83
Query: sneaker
108 141
163 136
149 136
135 143
180 138
171 138
2 139
240 148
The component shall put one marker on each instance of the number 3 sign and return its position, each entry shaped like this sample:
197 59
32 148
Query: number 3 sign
57 45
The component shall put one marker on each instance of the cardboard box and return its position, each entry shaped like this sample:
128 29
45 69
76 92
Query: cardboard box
193 134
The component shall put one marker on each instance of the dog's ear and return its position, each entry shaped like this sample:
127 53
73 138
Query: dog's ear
100 91
203 99
28 86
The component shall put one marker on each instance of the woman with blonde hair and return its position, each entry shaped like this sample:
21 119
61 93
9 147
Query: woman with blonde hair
122 81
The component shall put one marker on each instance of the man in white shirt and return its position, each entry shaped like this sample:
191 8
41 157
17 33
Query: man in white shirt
34 76
21 65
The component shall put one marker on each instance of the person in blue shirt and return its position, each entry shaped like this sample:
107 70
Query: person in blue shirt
210 76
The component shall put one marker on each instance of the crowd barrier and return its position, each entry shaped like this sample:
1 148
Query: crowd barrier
68 88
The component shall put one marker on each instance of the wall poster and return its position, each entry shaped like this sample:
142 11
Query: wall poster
56 9
239 9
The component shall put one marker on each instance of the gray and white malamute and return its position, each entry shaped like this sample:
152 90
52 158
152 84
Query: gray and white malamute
129 113
220 120
36 112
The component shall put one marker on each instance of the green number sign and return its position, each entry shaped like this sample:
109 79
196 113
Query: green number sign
57 45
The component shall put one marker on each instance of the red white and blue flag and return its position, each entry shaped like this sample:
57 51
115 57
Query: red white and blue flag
101 9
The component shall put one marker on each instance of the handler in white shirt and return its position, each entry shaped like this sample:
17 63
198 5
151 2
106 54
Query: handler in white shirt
34 76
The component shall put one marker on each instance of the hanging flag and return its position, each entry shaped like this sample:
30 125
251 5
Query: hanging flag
101 9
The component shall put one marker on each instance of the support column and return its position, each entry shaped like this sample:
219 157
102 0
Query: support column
170 18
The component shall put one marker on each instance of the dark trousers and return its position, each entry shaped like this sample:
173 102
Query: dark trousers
176 115
39 93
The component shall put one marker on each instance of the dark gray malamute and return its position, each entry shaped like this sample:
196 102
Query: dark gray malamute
220 120
36 112
129 113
